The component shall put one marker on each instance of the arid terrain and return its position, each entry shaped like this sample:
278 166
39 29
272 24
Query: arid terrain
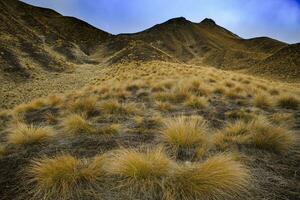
182 110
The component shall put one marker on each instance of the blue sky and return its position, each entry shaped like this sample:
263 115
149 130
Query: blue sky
279 19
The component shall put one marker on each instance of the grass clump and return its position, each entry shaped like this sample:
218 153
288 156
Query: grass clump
262 101
64 177
111 129
288 102
2 150
75 124
113 107
142 173
219 177
164 106
259 133
86 105
185 133
196 102
23 134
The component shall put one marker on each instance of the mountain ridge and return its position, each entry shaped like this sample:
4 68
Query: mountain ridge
49 41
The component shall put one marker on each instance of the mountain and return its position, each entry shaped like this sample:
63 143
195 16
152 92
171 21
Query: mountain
207 43
38 40
285 63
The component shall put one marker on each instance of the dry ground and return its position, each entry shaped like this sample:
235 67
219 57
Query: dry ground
155 130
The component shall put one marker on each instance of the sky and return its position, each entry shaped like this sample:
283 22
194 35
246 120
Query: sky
279 19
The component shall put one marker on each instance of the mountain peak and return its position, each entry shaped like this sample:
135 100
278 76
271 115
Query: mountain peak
178 20
208 21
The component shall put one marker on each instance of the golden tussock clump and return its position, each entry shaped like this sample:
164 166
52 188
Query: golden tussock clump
63 176
185 132
113 107
262 101
110 129
288 101
22 134
259 133
75 124
85 105
283 119
196 102
33 105
164 106
141 172
219 177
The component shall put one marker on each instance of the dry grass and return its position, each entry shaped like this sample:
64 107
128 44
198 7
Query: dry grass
262 101
22 134
113 107
196 102
141 173
86 105
283 119
63 177
164 106
185 132
288 102
74 124
151 122
219 177
33 105
258 133
111 129
2 150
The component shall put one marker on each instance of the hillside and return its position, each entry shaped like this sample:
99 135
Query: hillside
207 43
40 49
285 63
37 40
180 111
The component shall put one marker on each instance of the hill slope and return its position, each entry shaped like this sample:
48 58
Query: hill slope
35 39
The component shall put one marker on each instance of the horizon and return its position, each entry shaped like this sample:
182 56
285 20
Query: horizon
248 20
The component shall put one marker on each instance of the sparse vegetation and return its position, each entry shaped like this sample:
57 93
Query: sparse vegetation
185 132
217 178
258 133
63 176
289 102
22 134
74 124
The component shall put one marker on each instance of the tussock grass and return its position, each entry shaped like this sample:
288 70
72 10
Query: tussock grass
22 134
270 137
198 88
240 115
33 105
142 173
164 106
54 100
75 124
283 119
111 129
185 132
63 177
152 122
113 107
196 102
219 177
2 150
259 133
85 105
262 101
288 102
